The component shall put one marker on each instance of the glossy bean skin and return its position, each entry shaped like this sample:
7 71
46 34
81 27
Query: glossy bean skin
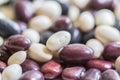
32 75
8 28
73 73
98 4
102 65
21 7
76 53
111 51
16 43
29 64
110 74
2 66
51 70
92 74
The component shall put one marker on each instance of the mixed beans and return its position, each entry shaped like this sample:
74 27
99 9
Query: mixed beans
59 39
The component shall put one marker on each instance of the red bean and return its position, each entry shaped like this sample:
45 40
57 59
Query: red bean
76 53
102 65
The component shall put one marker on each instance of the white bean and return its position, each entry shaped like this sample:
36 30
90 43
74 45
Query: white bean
17 58
117 64
58 40
97 46
107 34
39 52
40 23
12 72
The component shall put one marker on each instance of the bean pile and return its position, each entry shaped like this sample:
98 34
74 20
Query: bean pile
59 39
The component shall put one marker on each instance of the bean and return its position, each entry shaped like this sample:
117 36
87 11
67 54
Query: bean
105 34
52 9
117 64
29 64
1 41
39 52
98 4
32 75
24 10
117 12
73 13
3 65
92 74
12 72
104 17
17 43
97 46
76 53
102 65
111 51
110 74
86 21
73 73
51 70
35 36
8 28
62 23
82 4
17 58
40 23
44 36
58 40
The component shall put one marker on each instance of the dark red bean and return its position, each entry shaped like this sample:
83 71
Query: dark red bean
24 10
29 65
76 53
32 75
101 4
73 73
17 43
62 23
51 70
99 64
2 66
111 51
76 35
8 28
92 74
110 75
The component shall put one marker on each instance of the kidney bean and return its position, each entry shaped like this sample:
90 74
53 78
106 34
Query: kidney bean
8 28
51 70
17 43
44 36
62 23
24 10
104 17
97 46
111 51
29 65
73 73
32 75
52 9
58 40
76 53
99 64
98 4
39 52
2 66
17 58
12 72
92 74
35 36
110 74
40 23
105 34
